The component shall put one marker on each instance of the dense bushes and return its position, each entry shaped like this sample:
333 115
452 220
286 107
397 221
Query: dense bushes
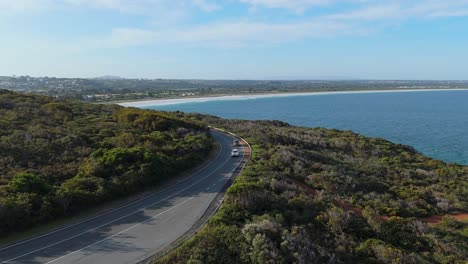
271 218
58 156
393 179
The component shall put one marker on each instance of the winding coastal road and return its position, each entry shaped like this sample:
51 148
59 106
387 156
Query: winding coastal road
134 231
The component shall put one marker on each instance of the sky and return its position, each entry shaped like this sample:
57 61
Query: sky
236 39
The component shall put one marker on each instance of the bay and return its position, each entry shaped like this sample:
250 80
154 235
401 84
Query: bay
433 122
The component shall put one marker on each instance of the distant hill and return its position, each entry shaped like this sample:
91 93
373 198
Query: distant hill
109 77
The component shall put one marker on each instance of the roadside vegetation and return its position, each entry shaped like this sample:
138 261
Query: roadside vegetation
269 217
60 157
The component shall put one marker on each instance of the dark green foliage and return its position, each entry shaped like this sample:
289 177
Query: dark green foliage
273 219
61 156
28 183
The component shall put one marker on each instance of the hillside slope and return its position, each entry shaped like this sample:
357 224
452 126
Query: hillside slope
269 217
57 157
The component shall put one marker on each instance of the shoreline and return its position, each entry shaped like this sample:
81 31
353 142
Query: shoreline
175 101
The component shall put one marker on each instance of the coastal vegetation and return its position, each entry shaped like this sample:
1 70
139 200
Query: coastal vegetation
270 215
308 195
60 157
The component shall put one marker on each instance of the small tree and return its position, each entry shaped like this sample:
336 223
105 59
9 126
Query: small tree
28 183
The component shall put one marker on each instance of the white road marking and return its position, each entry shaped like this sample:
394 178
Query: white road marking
29 253
64 256
113 210
127 214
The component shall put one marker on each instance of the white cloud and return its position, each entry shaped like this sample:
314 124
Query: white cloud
450 13
379 12
122 37
294 5
16 6
206 6
124 6
392 11
230 34
248 32
368 17
357 17
354 9
372 9
145 6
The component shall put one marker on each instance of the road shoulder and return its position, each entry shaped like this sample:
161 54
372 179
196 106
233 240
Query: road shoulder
212 208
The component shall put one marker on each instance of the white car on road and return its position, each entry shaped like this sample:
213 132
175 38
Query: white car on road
235 153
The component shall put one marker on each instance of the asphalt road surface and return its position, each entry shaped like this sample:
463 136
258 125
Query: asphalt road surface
137 230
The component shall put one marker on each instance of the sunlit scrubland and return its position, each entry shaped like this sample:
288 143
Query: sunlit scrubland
269 217
59 157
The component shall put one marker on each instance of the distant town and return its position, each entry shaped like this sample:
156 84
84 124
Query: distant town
112 88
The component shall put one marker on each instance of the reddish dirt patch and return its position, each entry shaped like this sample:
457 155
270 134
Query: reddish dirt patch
461 217
340 203
437 219
432 220
304 186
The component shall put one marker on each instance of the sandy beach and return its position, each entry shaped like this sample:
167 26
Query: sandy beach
159 102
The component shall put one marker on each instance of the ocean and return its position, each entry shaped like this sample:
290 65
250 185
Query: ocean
433 122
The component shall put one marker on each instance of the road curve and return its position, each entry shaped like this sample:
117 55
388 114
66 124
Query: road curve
135 231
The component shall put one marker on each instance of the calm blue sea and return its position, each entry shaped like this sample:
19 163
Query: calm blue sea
435 123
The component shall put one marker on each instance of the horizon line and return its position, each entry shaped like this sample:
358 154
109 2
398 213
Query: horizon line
112 77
